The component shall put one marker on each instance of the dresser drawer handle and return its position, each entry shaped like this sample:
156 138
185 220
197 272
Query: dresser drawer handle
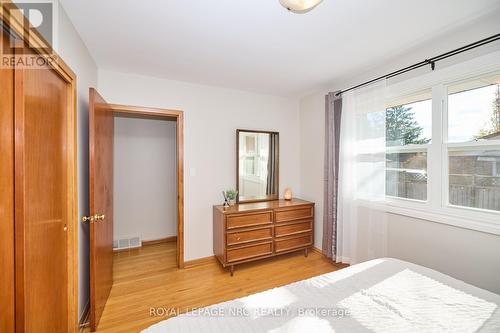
238 238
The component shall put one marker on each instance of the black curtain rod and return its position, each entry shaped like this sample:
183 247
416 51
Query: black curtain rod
427 62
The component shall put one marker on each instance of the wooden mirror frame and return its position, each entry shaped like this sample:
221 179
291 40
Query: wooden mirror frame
268 197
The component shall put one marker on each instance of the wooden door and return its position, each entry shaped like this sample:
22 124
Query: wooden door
42 193
101 128
38 196
6 193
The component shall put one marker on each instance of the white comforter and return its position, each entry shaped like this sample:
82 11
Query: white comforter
382 295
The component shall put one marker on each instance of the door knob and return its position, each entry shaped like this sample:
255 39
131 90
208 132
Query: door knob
98 217
88 219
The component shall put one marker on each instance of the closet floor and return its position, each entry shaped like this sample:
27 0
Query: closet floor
147 279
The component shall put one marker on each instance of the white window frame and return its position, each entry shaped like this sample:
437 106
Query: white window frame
437 207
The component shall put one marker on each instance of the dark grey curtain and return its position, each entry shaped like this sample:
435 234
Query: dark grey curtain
272 180
333 113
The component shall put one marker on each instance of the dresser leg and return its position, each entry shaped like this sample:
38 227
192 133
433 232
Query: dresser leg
232 270
306 252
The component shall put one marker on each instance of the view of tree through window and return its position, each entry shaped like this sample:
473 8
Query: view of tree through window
493 128
473 114
401 126
406 167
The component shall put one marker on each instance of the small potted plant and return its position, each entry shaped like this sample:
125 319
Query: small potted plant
231 196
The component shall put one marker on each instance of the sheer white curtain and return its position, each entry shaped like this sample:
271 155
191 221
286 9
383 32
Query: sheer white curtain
361 228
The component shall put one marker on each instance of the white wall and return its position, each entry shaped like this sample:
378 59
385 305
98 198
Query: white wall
74 52
211 117
312 142
145 178
465 254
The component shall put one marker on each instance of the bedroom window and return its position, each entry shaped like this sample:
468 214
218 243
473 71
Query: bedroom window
408 134
473 147
442 156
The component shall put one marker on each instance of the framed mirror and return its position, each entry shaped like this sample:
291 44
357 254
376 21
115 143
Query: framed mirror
257 165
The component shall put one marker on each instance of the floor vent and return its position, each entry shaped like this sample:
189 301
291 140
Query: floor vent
127 243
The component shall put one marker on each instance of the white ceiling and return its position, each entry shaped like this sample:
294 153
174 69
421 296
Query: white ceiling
257 45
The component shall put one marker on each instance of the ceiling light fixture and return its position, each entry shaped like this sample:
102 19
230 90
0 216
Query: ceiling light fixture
300 6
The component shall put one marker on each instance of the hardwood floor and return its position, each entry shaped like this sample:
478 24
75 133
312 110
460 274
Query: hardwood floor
147 278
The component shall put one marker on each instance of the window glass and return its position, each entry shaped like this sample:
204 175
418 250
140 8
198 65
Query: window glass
406 175
474 178
409 123
474 114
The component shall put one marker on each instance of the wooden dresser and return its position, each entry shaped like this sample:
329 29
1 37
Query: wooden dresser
252 231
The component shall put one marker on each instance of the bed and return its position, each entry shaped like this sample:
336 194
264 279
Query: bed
381 295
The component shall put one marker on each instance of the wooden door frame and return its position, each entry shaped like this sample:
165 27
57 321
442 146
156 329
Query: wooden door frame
20 26
178 116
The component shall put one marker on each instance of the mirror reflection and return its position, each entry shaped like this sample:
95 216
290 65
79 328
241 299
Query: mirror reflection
258 161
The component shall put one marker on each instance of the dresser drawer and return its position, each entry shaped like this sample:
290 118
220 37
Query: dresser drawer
290 243
301 213
292 228
239 237
251 219
255 231
249 251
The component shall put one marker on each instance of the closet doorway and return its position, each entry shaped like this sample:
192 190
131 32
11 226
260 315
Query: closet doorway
102 117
